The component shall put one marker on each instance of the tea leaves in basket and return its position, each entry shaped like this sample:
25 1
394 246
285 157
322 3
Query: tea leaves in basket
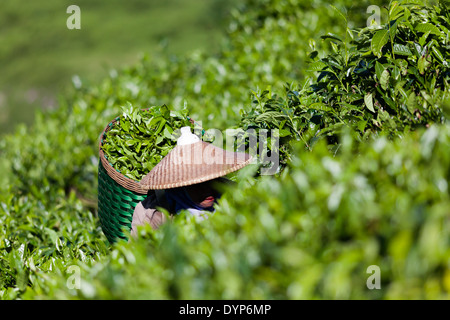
141 138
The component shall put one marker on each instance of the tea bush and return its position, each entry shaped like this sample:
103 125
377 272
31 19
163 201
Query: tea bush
387 79
309 232
60 150
392 79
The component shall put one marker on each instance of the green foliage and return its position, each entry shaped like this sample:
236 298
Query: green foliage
60 149
268 112
391 78
365 84
36 243
141 138
309 232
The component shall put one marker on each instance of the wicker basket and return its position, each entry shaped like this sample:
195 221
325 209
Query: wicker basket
117 196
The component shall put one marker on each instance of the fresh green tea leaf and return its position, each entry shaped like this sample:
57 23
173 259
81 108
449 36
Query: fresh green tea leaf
400 49
428 27
332 37
317 66
384 80
380 38
411 103
368 101
379 69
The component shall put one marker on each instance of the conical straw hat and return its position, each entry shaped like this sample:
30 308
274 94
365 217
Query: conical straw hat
193 161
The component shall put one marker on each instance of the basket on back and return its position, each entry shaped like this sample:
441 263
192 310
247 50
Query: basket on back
118 195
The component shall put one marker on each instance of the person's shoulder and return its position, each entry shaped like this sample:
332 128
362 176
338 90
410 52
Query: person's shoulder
142 216
154 217
149 215
140 212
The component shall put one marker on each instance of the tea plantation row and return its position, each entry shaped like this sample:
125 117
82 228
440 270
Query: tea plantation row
346 199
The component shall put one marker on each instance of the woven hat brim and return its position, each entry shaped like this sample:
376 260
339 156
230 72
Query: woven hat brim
168 175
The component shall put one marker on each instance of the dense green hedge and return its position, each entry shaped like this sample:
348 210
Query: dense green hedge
309 232
387 79
214 87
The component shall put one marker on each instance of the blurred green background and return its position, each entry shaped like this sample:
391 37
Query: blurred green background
39 55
